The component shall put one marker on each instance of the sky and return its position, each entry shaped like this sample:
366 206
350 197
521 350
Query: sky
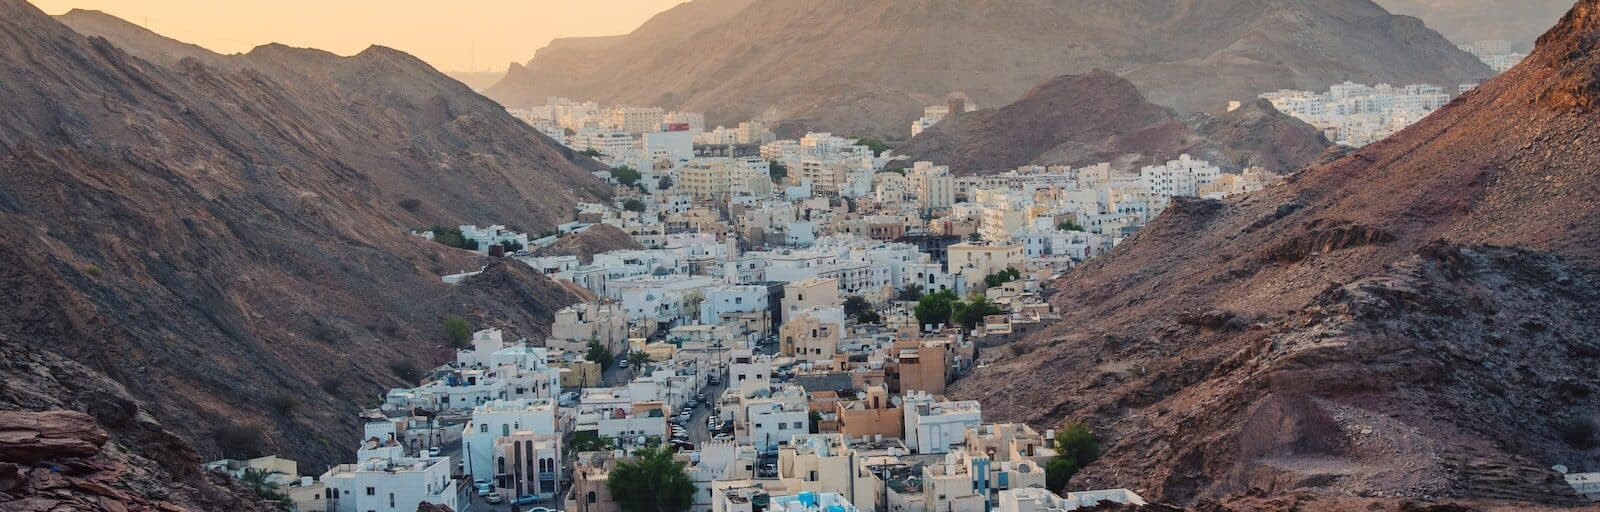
452 35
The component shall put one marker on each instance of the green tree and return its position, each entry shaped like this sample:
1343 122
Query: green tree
1075 447
869 317
457 333
625 175
911 292
256 480
599 353
1068 225
1002 277
453 238
855 305
877 146
972 311
664 183
651 481
590 441
511 246
935 308
777 171
633 205
592 153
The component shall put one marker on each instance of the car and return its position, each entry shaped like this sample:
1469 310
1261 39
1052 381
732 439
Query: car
723 437
622 363
700 396
493 499
433 452
526 499
682 445
541 509
484 489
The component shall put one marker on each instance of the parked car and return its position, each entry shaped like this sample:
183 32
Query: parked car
484 489
622 363
526 499
493 499
433 452
723 437
682 445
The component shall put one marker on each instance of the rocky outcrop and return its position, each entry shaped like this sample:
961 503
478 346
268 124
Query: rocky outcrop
1411 322
885 59
35 436
1080 120
217 233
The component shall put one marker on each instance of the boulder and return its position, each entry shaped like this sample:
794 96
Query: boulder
28 437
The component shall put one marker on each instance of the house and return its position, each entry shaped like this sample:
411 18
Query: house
1035 499
527 463
499 418
590 474
390 485
933 424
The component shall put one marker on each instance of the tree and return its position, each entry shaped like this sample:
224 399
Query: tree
777 171
592 153
969 313
601 354
590 441
406 370
855 305
935 308
625 175
877 146
1075 447
651 481
633 205
457 333
511 246
869 317
1068 225
256 480
638 358
1002 277
911 292
664 183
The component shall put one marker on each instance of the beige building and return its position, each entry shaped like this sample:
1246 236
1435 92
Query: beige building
874 415
588 493
821 463
985 258
808 338
811 293
576 325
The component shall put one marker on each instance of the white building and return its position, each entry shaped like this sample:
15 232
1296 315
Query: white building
497 419
390 485
933 426
1035 499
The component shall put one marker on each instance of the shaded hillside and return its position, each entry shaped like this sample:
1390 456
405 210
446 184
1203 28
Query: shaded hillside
1414 320
220 238
867 67
1477 20
1087 119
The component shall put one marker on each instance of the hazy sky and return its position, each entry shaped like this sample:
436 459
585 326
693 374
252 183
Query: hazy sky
453 35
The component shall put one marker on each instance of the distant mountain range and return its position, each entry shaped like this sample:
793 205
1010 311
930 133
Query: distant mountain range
1464 21
1082 120
225 237
1414 322
867 67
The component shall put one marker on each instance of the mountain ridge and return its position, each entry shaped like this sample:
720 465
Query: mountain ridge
886 59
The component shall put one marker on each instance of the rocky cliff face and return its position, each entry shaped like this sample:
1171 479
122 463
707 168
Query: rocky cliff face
1099 117
597 239
221 233
867 67
1414 320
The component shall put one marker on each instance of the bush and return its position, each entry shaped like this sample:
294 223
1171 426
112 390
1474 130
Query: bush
283 403
325 332
410 204
457 333
406 370
92 270
633 205
969 313
777 171
331 385
626 175
1068 225
1580 432
600 354
911 292
453 237
1075 447
591 153
934 308
877 146
238 441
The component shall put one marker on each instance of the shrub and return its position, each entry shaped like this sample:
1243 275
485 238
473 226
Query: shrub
92 270
591 153
238 441
1068 225
1075 447
406 370
777 171
625 175
457 333
633 205
325 332
331 385
284 403
1580 432
410 204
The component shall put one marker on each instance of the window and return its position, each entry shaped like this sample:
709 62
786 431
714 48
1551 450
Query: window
591 497
372 492
483 428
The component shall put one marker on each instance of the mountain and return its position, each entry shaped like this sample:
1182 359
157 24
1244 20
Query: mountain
867 67
226 237
1082 120
477 80
1413 321
1480 20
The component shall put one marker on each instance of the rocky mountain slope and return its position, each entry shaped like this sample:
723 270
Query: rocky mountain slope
597 239
867 67
1099 117
226 236
1415 320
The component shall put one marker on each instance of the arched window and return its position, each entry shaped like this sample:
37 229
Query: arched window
501 464
591 497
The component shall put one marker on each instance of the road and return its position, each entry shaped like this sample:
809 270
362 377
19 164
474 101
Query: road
697 424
